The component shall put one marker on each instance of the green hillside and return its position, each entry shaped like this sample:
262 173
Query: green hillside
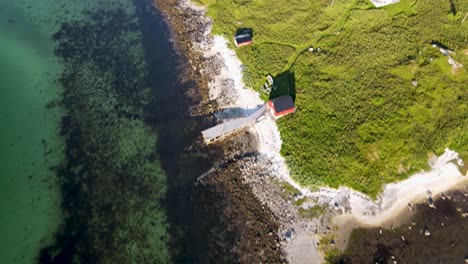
376 101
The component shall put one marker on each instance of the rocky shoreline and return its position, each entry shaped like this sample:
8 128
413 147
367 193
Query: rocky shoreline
187 27
253 231
436 232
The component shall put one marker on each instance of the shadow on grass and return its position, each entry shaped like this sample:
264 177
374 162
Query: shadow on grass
249 31
438 43
453 9
285 83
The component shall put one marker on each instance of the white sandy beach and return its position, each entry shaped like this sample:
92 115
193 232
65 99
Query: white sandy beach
443 176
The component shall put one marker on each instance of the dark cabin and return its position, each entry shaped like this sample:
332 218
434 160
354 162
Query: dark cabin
243 38
281 106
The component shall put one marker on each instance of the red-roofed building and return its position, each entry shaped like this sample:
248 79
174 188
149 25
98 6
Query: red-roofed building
243 39
281 106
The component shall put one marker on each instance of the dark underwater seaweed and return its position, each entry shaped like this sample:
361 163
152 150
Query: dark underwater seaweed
112 184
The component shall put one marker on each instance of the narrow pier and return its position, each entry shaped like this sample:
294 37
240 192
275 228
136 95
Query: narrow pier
233 127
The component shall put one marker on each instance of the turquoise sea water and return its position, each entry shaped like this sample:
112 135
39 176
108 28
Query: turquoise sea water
29 140
49 71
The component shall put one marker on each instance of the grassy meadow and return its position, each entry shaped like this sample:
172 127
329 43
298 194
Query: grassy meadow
376 101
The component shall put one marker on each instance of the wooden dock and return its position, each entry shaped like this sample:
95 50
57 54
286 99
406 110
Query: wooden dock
233 127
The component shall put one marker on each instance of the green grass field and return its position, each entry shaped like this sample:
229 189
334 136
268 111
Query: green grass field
359 122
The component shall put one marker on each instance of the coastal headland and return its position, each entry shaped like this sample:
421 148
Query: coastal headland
311 219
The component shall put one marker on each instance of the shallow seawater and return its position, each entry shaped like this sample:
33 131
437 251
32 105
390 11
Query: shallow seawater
30 144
